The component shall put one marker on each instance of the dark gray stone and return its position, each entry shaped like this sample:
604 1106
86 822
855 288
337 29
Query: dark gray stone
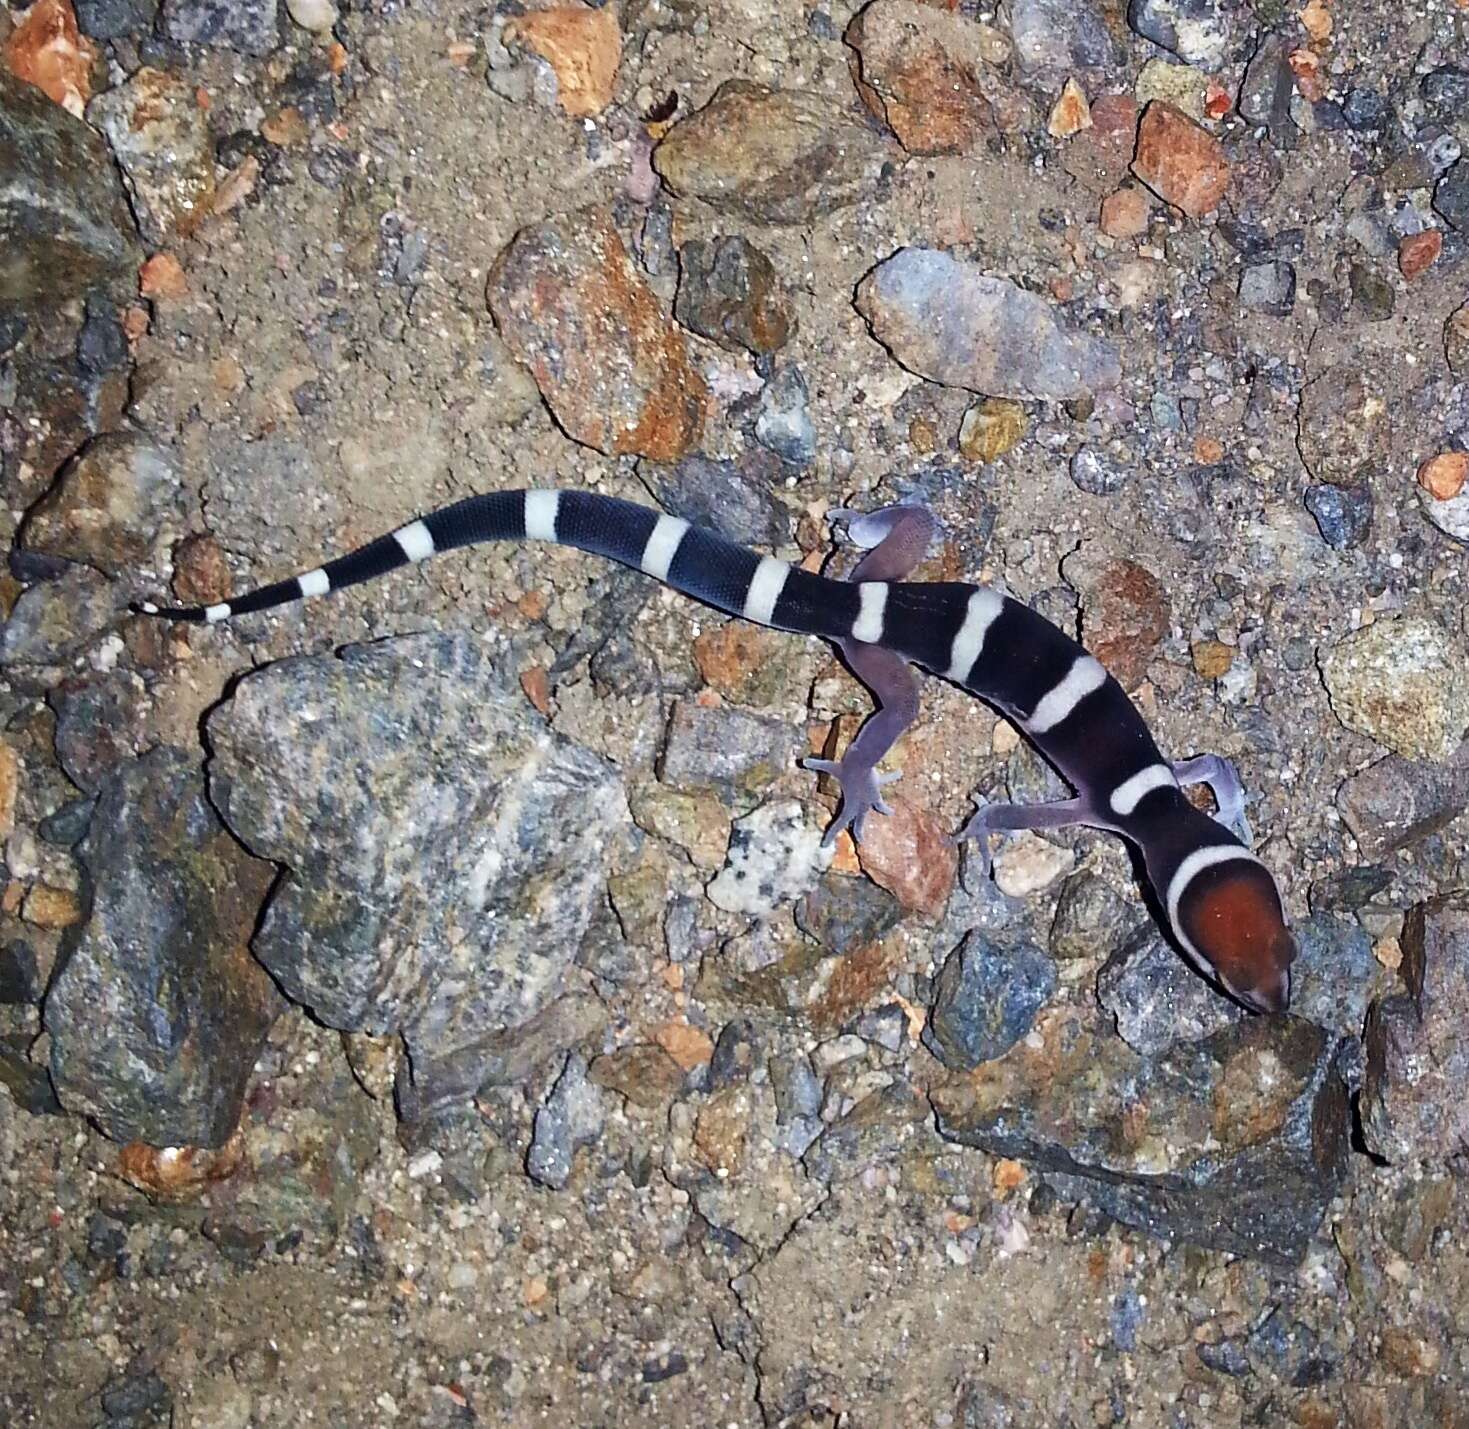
157 1010
986 999
734 498
444 849
1268 86
1090 918
53 620
570 1117
248 26
1446 93
1451 196
20 979
1399 802
1269 288
1192 1144
729 751
1197 31
1097 472
101 720
1290 1350
783 420
68 825
1343 514
1365 110
1373 297
1334 973
845 913
1156 1000
64 222
797 1087
1055 38
113 19
735 1054
728 292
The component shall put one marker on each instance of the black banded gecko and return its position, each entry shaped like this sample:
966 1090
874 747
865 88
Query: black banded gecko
1220 902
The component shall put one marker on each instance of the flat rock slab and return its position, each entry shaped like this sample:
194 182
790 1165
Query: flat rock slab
1237 1142
442 847
158 1010
949 321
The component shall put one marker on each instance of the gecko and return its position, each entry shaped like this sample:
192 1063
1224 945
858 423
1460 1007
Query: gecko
1219 901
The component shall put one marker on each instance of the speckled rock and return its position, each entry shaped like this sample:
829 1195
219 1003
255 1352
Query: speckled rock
1237 1142
1414 1106
932 76
1180 160
444 848
573 307
950 322
775 855
570 1117
1268 87
109 507
1156 999
160 138
1097 471
986 999
64 221
1451 516
1269 288
1343 514
728 292
1197 31
52 620
731 753
1334 973
846 913
112 19
1056 38
991 428
1343 424
772 156
1182 86
733 497
158 1011
1091 918
697 823
1451 196
102 719
1398 802
248 26
1402 682
1125 613
909 853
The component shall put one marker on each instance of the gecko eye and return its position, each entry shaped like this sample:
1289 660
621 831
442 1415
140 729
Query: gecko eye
1231 915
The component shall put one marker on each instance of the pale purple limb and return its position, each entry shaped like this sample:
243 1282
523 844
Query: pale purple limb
1223 780
1012 818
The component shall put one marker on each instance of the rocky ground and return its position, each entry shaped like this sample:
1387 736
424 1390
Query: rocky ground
433 1005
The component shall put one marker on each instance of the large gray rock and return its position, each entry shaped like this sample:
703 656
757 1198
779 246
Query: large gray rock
951 322
64 222
1156 999
158 1011
443 848
1415 1098
1237 1142
1398 802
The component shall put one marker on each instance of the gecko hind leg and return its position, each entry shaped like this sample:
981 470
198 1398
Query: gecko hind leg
1223 780
1013 818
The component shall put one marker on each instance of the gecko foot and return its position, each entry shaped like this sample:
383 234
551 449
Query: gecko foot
861 795
1012 818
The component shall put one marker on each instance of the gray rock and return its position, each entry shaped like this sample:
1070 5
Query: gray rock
1097 472
1213 1153
845 913
570 1117
1403 682
1373 297
1398 802
733 498
949 321
1090 919
797 1087
248 26
53 620
1446 93
102 718
1333 974
986 999
1451 197
1343 513
113 19
735 1053
444 848
64 220
1269 288
773 156
1451 516
158 1011
783 421
1156 1000
1268 86
20 976
982 1406
160 137
1415 1095
1344 424
775 855
735 754
1197 31
1055 38
728 292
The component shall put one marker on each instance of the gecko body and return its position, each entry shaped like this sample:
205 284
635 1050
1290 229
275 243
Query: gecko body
1220 902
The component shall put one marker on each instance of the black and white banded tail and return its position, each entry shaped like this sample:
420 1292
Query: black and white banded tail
688 558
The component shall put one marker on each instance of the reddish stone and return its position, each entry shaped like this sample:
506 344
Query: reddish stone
908 852
1443 476
1114 116
201 575
1179 160
1125 214
47 50
1419 251
1126 617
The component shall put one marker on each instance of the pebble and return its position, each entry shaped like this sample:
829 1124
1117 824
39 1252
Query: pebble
1442 477
315 16
47 50
571 304
775 855
1446 93
1126 613
1125 213
1268 87
583 48
991 428
1097 472
1343 424
951 322
1269 288
1418 252
1451 196
932 76
771 156
846 914
160 137
1070 114
1396 802
734 497
728 752
1334 974
55 619
697 823
1179 85
1372 296
1156 999
783 421
569 1118
1055 39
908 852
1180 160
1028 863
1343 514
1403 682
1090 920
114 19
248 26
728 292
1197 31
986 999
1451 516
20 980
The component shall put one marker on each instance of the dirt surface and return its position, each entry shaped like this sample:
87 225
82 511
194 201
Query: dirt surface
316 387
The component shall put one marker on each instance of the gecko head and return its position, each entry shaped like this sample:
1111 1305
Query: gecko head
1229 915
